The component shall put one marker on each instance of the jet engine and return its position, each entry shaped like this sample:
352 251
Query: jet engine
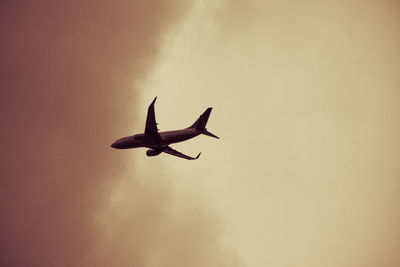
152 152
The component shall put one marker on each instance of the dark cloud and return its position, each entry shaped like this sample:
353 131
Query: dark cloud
67 73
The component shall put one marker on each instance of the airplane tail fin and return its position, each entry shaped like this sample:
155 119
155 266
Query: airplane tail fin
201 123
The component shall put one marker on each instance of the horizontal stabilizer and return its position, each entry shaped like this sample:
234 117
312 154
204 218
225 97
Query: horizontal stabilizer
209 134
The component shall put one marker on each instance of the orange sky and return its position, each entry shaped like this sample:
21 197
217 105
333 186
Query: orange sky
305 99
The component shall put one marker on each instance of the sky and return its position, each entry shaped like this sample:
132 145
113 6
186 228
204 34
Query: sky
305 100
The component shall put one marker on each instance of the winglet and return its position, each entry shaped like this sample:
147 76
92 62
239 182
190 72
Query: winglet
198 156
152 103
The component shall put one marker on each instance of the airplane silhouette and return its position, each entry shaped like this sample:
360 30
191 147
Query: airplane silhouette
158 142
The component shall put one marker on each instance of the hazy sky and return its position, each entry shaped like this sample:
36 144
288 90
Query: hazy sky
305 99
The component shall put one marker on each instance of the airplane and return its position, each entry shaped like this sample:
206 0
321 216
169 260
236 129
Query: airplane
158 142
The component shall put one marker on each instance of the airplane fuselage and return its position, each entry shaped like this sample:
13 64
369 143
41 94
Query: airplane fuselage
167 138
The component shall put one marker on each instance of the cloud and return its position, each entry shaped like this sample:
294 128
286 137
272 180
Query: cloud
68 73
305 98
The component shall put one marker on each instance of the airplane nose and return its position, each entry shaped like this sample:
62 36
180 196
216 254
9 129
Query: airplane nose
115 144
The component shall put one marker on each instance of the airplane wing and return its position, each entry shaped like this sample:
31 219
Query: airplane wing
151 124
173 152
